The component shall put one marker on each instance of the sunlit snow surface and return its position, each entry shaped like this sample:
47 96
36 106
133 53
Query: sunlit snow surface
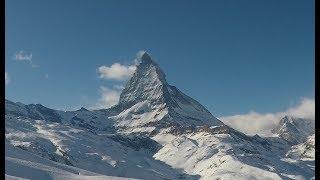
99 153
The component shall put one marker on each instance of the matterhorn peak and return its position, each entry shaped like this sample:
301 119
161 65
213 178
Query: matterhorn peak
144 57
148 91
147 83
144 62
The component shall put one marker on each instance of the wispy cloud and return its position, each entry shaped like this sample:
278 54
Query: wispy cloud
118 87
261 123
116 72
109 97
306 109
7 78
24 56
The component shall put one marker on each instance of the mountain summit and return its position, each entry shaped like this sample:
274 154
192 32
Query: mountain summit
145 57
156 104
293 129
147 83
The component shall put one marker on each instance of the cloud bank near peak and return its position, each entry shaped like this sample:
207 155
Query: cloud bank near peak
262 123
108 97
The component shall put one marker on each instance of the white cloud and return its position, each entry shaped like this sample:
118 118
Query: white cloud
252 123
259 123
116 71
109 97
305 109
24 56
7 78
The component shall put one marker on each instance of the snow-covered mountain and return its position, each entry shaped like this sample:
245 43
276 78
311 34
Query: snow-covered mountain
149 103
294 130
154 132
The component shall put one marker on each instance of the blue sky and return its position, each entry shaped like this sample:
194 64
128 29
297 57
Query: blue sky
232 56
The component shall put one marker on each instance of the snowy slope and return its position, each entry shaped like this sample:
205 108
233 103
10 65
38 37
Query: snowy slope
100 153
21 164
303 151
229 155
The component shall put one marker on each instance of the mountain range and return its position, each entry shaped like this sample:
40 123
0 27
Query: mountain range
154 132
